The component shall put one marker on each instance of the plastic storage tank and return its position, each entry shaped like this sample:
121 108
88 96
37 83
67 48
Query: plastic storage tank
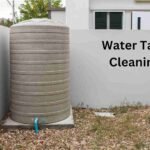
4 71
39 71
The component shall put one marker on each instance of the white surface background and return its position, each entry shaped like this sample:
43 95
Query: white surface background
145 21
94 82
81 15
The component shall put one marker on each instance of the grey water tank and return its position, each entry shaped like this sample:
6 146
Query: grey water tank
39 71
4 71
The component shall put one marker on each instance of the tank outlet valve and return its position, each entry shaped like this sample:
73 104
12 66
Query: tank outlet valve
36 125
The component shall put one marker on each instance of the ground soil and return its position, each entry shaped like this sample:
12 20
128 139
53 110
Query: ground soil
129 130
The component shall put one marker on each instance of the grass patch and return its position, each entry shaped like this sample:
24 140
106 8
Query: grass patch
106 127
121 128
1 147
147 118
140 145
126 107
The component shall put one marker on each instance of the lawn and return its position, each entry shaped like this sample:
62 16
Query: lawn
129 129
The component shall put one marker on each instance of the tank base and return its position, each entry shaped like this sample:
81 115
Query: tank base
67 123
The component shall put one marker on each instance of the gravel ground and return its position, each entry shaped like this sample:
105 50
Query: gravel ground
129 130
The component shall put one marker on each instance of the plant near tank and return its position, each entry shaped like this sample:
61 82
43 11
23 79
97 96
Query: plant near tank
6 22
37 8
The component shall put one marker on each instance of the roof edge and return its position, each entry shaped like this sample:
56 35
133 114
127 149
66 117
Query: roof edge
57 9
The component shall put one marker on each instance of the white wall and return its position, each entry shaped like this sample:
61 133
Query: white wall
77 14
91 20
59 16
145 20
127 6
4 51
80 15
118 5
94 82
128 20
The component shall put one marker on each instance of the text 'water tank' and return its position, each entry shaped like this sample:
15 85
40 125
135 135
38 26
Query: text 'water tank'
39 71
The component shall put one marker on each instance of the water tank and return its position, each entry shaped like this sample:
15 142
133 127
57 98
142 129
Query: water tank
4 71
39 71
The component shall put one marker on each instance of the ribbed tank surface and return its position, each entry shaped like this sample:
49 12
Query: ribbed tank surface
39 60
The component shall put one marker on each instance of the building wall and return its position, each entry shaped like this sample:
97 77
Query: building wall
126 6
145 20
128 20
77 14
59 16
91 20
4 77
118 5
94 82
80 15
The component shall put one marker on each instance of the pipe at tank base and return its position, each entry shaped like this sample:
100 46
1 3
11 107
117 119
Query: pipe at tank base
36 125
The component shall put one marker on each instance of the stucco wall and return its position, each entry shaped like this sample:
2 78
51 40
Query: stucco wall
59 16
127 20
94 82
145 21
80 15
118 5
77 14
4 51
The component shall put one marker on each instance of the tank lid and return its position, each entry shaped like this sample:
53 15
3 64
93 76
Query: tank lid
39 22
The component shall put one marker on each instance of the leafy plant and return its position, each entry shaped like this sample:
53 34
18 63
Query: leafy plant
37 8
6 22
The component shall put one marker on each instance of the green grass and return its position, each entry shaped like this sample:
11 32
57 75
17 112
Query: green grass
126 107
140 145
121 128
1 147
